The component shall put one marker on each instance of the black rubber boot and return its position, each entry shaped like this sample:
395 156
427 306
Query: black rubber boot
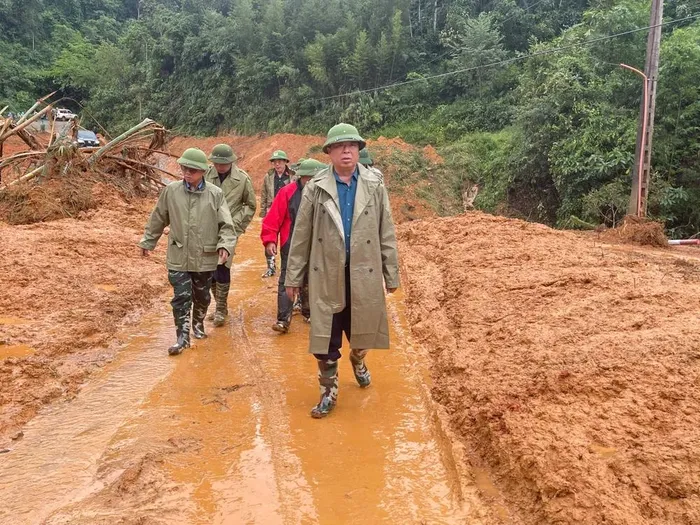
183 341
270 267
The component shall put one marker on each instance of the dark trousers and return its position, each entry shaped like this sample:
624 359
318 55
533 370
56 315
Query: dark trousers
284 305
190 295
222 274
342 322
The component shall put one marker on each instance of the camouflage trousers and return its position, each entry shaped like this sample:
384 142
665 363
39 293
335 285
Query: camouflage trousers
190 297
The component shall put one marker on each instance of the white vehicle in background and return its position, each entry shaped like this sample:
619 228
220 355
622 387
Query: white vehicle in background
64 114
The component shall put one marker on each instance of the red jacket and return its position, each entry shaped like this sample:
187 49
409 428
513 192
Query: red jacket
280 218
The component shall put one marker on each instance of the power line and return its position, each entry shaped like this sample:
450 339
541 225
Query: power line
508 60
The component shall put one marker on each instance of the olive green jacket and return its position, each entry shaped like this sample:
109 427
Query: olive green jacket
318 249
200 223
239 194
267 195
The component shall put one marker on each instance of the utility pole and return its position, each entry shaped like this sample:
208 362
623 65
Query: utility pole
648 106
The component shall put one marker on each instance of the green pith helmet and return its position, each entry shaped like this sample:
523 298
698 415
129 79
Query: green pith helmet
194 158
343 133
309 167
279 155
294 166
366 158
222 154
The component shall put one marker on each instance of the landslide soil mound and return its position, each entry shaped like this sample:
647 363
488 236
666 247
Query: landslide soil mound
570 370
635 230
68 285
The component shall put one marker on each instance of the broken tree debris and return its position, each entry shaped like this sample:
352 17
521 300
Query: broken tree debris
55 177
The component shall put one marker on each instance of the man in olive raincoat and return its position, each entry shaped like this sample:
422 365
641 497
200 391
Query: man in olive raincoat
201 237
344 240
240 197
276 178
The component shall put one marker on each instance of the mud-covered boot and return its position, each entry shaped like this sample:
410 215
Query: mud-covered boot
362 375
221 298
270 267
183 341
281 327
211 316
328 383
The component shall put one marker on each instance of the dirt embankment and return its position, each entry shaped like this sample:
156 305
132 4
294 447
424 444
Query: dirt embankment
569 369
67 287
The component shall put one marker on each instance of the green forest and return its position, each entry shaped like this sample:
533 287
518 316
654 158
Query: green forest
524 97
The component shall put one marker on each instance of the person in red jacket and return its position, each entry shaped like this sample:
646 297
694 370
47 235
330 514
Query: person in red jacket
279 223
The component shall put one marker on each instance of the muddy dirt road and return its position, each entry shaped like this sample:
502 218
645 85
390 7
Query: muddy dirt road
222 433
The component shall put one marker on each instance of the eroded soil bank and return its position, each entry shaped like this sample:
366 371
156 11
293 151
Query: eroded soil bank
570 369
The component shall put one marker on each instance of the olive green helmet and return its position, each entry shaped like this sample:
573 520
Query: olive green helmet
194 158
343 133
366 158
279 155
222 154
309 167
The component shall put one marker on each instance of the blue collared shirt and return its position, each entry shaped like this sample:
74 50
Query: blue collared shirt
190 188
346 199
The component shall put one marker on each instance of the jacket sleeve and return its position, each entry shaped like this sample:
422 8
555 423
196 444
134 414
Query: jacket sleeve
156 223
300 246
227 233
264 197
272 223
387 240
248 211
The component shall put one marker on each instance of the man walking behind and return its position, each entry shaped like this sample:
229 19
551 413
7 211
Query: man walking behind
240 197
277 178
344 241
201 236
279 223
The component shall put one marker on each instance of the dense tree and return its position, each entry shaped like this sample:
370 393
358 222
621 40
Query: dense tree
551 135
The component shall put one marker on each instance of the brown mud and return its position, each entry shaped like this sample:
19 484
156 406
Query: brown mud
570 369
68 285
222 433
566 375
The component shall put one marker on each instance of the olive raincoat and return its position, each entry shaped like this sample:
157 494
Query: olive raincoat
200 223
318 247
239 195
267 193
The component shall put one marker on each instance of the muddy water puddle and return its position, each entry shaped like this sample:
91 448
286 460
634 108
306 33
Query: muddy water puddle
15 351
222 434
12 321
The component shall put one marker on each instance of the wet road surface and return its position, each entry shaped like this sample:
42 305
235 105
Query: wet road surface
222 433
